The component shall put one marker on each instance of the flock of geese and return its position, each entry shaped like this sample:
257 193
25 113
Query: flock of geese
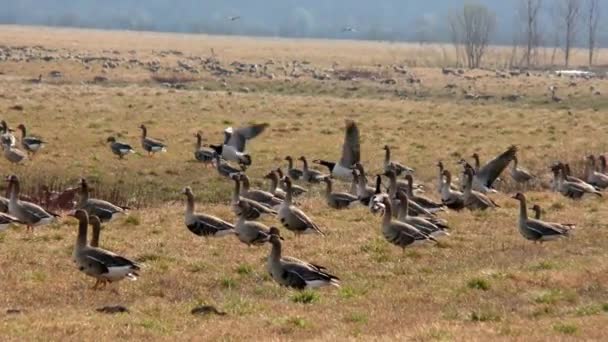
410 216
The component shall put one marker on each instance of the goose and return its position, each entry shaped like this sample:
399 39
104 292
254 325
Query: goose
573 187
233 148
203 224
375 203
400 233
593 177
451 198
537 230
274 189
474 200
29 143
424 202
518 174
337 200
414 208
103 265
354 184
7 135
224 169
565 167
602 166
310 175
485 176
12 153
351 154
257 195
32 215
431 227
292 172
151 145
254 210
293 218
105 210
296 189
395 166
202 154
440 179
294 273
250 232
364 192
537 211
119 148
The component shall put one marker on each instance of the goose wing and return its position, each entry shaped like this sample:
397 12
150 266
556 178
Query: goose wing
351 150
489 172
302 217
109 259
239 137
206 225
301 274
546 228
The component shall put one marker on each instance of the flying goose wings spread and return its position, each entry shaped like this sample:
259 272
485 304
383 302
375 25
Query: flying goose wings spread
351 150
489 172
238 138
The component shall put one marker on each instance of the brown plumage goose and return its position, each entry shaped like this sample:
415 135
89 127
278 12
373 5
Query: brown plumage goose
310 175
203 224
274 189
295 189
537 230
254 210
364 192
30 143
400 233
485 176
537 211
429 226
474 200
518 174
151 145
292 172
573 187
12 153
393 165
293 218
32 215
105 210
451 198
415 209
597 179
250 232
337 200
424 202
258 195
202 154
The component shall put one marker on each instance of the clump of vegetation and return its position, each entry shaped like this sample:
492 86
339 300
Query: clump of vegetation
478 284
567 329
305 297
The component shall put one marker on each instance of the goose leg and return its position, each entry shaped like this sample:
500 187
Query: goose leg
96 285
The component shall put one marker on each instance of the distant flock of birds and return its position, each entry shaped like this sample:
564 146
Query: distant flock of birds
409 217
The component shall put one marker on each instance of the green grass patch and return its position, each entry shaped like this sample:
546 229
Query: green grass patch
228 283
566 329
484 316
478 284
244 269
305 297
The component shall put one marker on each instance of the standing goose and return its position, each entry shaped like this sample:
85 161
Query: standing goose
233 148
203 224
292 172
119 148
151 145
475 200
400 233
573 187
293 218
7 135
295 189
258 195
103 265
105 210
451 198
485 176
203 155
30 214
274 189
395 166
593 177
310 175
364 192
518 174
250 232
537 211
537 230
428 226
291 272
351 154
254 209
415 209
12 153
29 143
424 202
337 200
224 169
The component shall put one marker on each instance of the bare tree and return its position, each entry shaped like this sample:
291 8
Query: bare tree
472 28
569 13
529 11
593 19
455 35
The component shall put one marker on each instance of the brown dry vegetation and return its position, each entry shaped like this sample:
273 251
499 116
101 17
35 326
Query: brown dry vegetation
484 282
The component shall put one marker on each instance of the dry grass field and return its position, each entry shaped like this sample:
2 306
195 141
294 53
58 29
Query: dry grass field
483 282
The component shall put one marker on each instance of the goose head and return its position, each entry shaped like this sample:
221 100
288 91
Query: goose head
111 140
275 234
519 196
80 214
187 190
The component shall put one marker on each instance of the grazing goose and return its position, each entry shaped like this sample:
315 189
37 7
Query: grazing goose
29 143
101 264
392 165
7 135
224 169
32 215
274 189
364 192
291 272
293 218
258 195
203 155
105 210
414 208
119 148
351 154
451 198
474 200
310 175
250 232
429 226
12 153
151 145
597 179
337 200
292 172
233 148
518 174
485 176
203 224
573 187
424 202
400 233
254 210
537 211
537 230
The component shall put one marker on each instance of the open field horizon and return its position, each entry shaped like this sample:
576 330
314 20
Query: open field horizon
483 282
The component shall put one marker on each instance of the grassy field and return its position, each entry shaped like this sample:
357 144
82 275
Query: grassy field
484 282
